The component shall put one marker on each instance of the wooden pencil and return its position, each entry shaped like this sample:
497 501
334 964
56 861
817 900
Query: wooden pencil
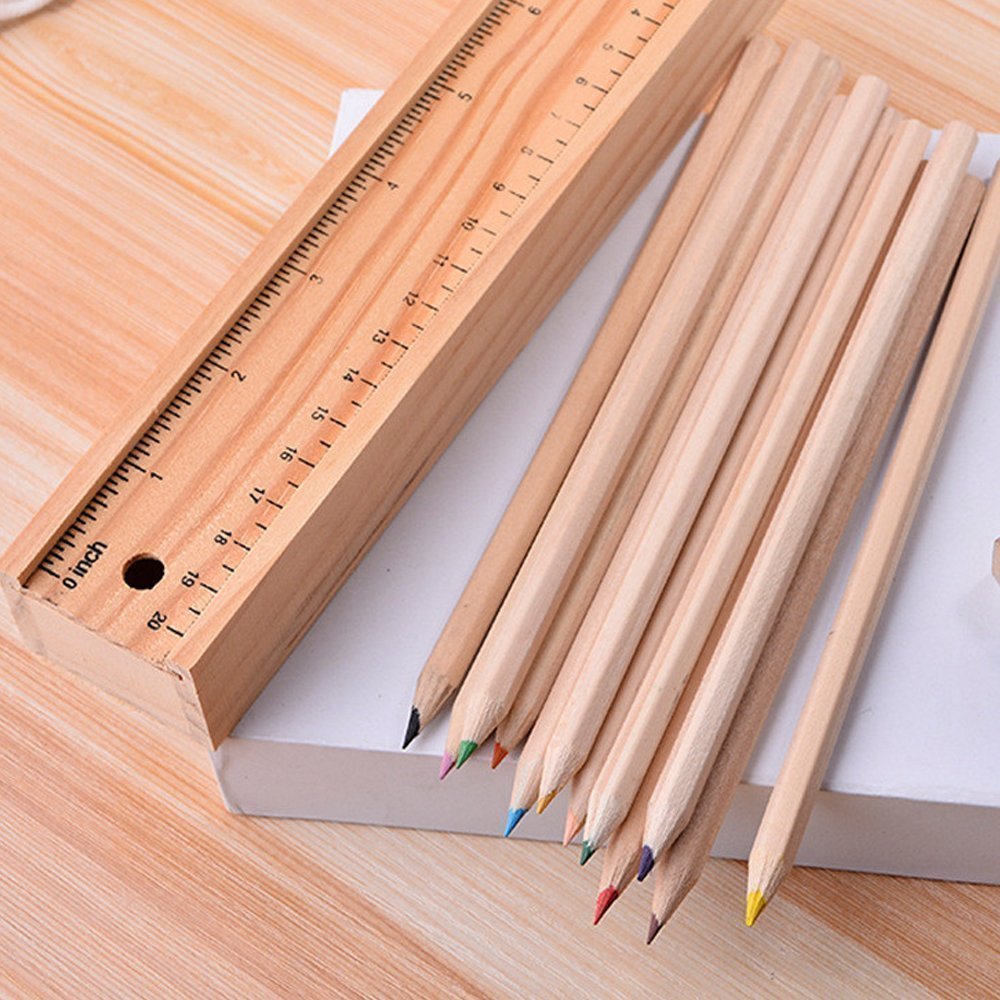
457 645
540 677
812 743
527 780
584 780
528 609
621 859
678 872
628 592
683 778
680 646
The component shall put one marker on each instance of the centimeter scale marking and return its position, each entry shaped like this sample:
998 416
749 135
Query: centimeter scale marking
244 395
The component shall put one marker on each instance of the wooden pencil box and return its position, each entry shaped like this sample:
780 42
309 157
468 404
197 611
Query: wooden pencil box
189 550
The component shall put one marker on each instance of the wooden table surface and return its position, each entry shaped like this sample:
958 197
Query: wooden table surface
143 150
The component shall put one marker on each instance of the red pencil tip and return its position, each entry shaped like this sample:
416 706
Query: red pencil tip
604 900
498 755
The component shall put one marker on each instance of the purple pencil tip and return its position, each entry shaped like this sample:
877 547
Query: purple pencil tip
447 763
646 862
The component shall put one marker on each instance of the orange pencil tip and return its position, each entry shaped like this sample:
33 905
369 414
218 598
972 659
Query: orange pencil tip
499 753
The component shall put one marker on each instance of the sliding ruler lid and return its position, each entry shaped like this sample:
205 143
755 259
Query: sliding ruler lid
194 544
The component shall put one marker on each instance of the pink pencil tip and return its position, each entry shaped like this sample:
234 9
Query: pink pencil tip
447 763
572 828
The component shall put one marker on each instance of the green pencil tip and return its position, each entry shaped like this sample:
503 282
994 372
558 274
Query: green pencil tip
465 750
586 852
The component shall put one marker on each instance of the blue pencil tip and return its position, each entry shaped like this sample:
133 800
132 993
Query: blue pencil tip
646 862
514 817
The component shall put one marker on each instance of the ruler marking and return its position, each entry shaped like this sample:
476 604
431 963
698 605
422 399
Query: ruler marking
291 271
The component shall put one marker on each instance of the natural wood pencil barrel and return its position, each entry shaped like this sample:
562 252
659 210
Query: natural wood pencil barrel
527 780
746 632
530 605
682 575
824 332
680 869
459 641
812 743
624 844
628 592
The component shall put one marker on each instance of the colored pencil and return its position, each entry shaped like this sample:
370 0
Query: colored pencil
458 643
746 632
718 136
637 574
621 859
526 788
855 253
815 736
529 607
683 864
681 577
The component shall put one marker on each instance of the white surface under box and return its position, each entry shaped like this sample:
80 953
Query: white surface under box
914 787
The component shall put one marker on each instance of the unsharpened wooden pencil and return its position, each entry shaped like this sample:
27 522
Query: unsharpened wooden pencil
459 641
856 253
746 632
808 755
678 872
528 609
628 592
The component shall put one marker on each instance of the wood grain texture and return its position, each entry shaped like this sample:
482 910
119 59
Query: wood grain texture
146 149
294 417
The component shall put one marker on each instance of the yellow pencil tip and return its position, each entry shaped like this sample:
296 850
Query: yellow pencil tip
755 905
543 802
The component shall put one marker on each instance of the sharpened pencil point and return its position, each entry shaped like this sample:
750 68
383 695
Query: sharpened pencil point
465 750
646 862
755 905
545 801
587 852
514 816
447 763
412 727
573 826
604 900
655 926
499 753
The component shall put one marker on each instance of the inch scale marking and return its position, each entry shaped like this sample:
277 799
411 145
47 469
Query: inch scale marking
126 566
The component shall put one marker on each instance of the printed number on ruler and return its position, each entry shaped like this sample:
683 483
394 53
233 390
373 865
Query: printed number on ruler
161 538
